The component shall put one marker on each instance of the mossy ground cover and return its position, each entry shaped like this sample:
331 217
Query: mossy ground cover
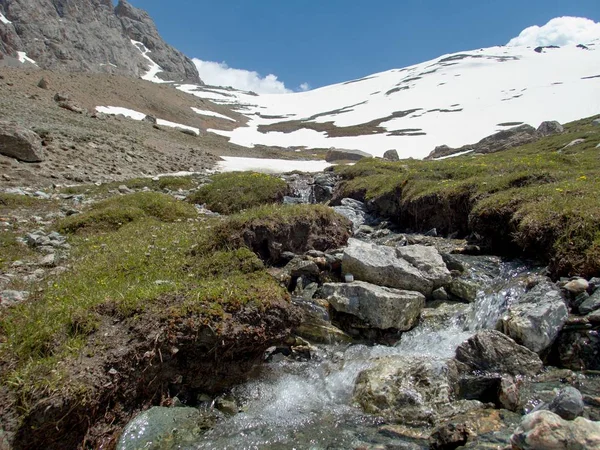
114 212
548 193
152 265
232 192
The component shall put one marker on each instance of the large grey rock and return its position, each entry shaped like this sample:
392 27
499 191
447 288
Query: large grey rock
550 127
503 140
544 430
492 351
161 428
414 268
391 155
20 143
429 262
340 154
380 307
568 403
536 318
89 36
410 390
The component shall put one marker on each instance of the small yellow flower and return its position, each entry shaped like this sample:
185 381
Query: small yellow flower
583 177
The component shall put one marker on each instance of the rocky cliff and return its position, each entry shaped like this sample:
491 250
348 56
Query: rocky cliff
88 36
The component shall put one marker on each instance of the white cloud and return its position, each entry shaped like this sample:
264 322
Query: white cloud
559 31
304 87
220 74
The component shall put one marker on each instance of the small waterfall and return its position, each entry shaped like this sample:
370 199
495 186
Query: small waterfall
301 188
308 404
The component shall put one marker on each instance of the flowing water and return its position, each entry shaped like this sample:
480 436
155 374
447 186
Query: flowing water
308 405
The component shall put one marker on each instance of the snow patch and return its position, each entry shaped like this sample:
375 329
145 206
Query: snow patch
136 115
453 155
115 110
166 123
154 68
23 58
236 164
211 113
4 20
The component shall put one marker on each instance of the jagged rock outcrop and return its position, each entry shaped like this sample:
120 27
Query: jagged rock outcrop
89 36
503 140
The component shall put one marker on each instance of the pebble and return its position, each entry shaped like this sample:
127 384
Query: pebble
8 298
577 286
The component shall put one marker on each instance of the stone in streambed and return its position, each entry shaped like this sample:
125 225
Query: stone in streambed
492 351
159 428
414 268
536 318
544 430
380 307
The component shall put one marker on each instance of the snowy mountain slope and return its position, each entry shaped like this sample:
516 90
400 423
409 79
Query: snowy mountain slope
455 100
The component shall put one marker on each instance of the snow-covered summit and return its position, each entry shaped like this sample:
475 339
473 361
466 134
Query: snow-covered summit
455 99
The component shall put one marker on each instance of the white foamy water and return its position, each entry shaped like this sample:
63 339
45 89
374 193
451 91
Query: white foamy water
308 405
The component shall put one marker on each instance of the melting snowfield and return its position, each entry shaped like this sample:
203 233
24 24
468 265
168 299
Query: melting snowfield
236 164
136 115
455 100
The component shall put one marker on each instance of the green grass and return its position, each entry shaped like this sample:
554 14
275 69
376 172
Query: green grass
549 196
166 269
11 202
230 193
11 250
114 212
171 183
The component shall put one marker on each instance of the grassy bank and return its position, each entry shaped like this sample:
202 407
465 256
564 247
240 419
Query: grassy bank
540 198
230 193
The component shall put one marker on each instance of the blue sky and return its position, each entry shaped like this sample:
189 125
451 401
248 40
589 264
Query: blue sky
320 42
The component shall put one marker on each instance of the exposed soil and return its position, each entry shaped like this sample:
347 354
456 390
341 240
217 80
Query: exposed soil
146 360
372 127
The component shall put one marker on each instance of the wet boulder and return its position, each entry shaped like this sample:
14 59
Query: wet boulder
568 403
544 430
536 318
20 143
414 391
353 210
492 351
380 307
160 427
414 268
592 303
578 348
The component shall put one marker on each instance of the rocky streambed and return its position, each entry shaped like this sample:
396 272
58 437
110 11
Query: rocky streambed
408 342
399 341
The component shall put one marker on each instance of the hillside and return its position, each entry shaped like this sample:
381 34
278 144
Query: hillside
89 36
456 99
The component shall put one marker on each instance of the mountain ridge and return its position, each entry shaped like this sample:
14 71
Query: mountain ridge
88 36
